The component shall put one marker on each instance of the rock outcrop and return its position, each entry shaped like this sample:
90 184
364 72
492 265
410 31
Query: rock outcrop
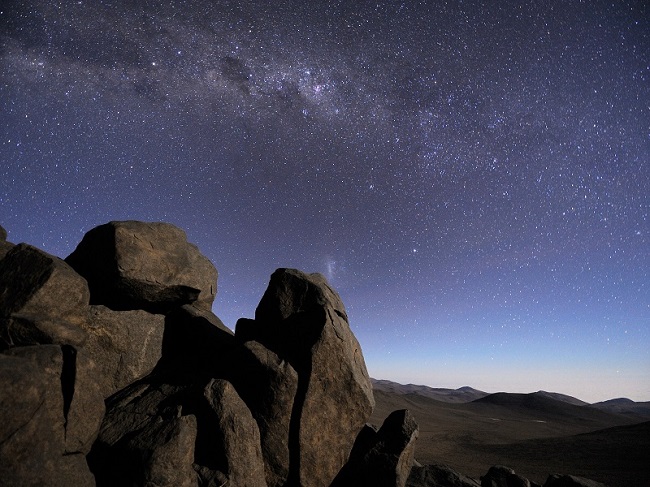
269 386
150 266
382 458
42 300
51 412
126 345
205 432
115 371
303 321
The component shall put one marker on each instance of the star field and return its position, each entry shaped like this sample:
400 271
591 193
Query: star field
473 178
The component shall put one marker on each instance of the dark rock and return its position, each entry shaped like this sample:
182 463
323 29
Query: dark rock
384 458
150 266
353 470
3 234
557 480
5 247
145 428
302 319
196 345
136 444
169 447
501 476
126 345
50 417
83 400
438 476
150 447
42 300
268 386
31 404
239 436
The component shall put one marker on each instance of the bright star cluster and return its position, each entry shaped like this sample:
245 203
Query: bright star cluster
472 177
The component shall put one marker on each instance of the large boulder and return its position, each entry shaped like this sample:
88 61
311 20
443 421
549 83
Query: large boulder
268 385
150 266
168 453
146 428
188 434
302 320
384 458
51 412
438 476
126 345
239 436
144 441
42 300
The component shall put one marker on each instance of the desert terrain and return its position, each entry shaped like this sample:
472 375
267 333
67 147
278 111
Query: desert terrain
535 434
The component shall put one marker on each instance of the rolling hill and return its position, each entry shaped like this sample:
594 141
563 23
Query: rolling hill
536 434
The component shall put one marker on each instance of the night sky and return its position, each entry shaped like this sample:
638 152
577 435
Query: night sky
473 177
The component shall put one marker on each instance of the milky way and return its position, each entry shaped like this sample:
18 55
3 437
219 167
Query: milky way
472 177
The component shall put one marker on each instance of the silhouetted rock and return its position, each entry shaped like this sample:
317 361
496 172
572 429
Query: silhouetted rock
125 344
383 459
501 476
42 300
51 412
3 234
557 480
150 266
438 476
302 319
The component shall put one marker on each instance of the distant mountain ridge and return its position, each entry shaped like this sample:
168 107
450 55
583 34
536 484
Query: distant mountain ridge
623 405
469 394
544 407
460 395
563 397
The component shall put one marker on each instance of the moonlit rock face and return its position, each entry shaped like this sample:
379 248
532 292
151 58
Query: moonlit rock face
42 299
125 344
138 265
302 319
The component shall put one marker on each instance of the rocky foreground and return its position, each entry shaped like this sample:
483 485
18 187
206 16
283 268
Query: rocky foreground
114 371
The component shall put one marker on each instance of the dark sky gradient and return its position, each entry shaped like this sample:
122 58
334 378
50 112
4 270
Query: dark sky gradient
472 177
